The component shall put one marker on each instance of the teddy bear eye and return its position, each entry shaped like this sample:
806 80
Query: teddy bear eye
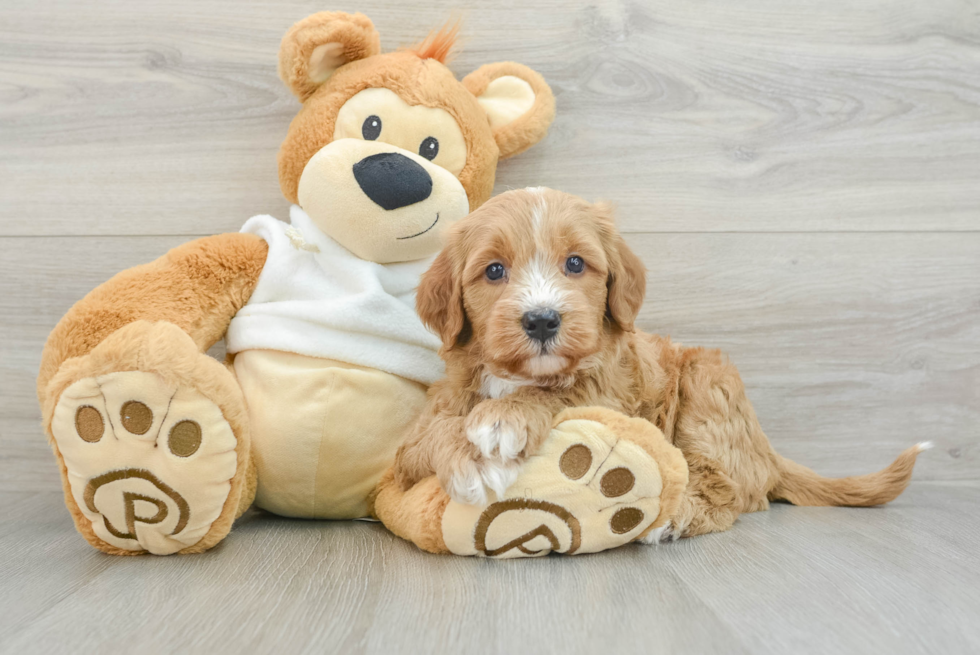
574 264
371 129
495 271
429 148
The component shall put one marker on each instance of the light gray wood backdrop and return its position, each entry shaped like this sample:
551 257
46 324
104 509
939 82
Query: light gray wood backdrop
802 180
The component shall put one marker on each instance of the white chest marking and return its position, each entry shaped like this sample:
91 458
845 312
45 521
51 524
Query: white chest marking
495 387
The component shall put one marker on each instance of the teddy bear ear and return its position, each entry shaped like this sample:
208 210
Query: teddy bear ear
319 44
518 103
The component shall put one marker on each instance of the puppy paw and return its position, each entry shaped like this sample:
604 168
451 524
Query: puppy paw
666 533
498 478
499 434
471 478
465 485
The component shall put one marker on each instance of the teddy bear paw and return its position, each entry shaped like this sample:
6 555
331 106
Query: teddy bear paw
149 463
586 490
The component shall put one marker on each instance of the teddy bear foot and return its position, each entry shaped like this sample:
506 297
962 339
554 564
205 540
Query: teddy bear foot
600 480
594 485
150 460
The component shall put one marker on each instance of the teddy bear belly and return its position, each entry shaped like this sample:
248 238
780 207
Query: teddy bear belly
322 431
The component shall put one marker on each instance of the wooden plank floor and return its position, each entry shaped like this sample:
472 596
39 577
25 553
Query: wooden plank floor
899 579
803 182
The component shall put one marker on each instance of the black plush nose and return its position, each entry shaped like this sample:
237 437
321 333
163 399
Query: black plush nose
392 180
541 324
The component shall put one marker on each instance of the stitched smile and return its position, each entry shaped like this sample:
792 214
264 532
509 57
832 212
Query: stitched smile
423 231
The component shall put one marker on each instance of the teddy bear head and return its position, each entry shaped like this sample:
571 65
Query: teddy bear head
390 149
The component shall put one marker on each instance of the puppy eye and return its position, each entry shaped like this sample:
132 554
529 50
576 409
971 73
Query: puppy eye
495 271
429 148
574 264
371 129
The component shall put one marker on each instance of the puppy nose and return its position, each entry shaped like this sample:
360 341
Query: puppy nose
392 180
541 324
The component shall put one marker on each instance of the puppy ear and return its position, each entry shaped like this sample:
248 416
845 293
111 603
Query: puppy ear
626 285
518 103
319 44
439 299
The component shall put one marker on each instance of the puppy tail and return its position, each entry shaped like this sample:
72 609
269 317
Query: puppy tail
801 486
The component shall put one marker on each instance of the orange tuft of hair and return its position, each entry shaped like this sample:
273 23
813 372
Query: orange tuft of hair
440 44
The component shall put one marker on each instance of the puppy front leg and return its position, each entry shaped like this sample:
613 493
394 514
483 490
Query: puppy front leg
508 430
439 446
423 450
481 451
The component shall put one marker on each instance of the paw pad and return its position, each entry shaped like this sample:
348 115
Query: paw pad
617 482
149 464
591 491
89 424
184 439
129 499
536 540
576 461
136 417
625 520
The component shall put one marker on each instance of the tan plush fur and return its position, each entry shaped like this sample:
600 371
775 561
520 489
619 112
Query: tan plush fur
198 287
419 78
168 351
440 44
516 137
499 379
354 32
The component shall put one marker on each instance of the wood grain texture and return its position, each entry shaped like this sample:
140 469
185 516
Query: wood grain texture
803 182
899 579
164 118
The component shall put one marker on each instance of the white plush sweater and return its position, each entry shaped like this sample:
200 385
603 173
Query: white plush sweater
316 298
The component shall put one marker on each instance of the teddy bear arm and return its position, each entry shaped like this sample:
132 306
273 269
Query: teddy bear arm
198 286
